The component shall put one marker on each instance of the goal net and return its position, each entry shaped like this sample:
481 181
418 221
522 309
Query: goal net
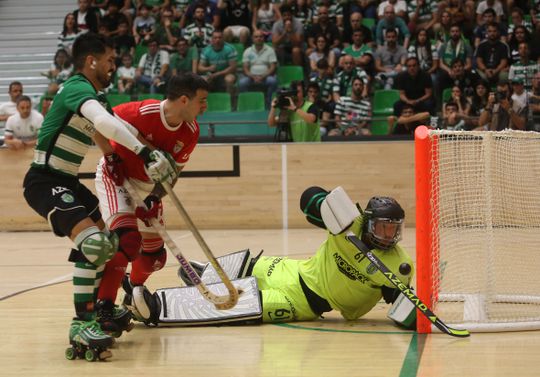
478 228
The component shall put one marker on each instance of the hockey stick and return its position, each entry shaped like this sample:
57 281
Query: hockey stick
405 290
221 302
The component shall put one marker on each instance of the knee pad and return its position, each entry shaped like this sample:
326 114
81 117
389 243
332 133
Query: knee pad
130 242
95 246
156 259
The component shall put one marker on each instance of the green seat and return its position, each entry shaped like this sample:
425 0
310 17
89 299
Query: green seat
383 101
219 101
369 22
117 99
238 123
446 94
289 73
379 127
251 101
239 47
140 50
143 96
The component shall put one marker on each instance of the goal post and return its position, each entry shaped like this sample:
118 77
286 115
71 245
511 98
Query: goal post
478 228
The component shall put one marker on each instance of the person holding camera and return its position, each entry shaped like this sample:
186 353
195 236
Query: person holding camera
298 118
502 112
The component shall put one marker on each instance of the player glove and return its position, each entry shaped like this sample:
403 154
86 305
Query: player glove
151 211
160 166
114 169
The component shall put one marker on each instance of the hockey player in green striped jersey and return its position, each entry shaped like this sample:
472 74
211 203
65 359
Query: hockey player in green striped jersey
80 115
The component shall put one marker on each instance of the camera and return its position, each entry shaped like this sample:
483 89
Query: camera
282 100
500 96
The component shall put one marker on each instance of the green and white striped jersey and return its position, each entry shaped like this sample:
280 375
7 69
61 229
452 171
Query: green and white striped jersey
65 136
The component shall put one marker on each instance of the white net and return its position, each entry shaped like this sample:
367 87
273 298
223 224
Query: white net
485 203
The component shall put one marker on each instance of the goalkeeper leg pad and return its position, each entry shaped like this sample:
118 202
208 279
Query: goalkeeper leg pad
145 306
403 312
185 306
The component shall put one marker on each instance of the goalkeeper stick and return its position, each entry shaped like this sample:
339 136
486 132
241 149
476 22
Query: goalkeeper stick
405 290
221 302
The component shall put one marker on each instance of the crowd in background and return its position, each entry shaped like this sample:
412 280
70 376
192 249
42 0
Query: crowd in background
454 64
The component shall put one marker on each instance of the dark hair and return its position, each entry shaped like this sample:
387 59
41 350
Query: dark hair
89 44
22 99
322 63
67 63
284 8
455 61
451 103
390 31
489 11
313 85
14 83
185 84
75 25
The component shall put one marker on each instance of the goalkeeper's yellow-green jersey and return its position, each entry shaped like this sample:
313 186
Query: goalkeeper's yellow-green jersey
350 283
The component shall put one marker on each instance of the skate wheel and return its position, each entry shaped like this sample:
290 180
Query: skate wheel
105 355
71 353
90 355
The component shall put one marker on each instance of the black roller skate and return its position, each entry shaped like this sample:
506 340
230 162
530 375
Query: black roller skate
112 318
88 341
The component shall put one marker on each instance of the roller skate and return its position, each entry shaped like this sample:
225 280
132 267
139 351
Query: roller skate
112 318
88 341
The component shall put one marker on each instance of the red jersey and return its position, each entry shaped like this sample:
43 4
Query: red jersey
148 118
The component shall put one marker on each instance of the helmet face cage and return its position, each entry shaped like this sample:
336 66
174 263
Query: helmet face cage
384 233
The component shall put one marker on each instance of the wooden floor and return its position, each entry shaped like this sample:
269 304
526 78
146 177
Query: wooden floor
35 311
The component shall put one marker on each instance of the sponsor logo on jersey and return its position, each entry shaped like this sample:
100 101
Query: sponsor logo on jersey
58 190
178 147
67 198
346 269
273 265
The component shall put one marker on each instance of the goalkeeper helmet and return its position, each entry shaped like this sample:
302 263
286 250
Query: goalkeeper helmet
383 222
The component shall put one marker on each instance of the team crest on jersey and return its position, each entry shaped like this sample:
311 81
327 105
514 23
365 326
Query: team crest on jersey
178 147
67 198
371 269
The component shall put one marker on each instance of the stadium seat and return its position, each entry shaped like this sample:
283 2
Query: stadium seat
117 99
289 73
140 50
383 101
369 22
446 94
379 127
219 101
238 124
239 47
144 96
251 101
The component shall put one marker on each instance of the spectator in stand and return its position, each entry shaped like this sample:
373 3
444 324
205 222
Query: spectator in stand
389 59
478 102
324 27
87 17
355 23
353 113
361 53
525 68
61 68
325 84
502 112
367 7
458 98
22 127
425 52
441 29
453 119
218 64
494 5
259 67
415 88
153 68
70 32
322 51
211 14
407 121
492 57
519 94
344 79
126 75
263 17
199 33
10 107
334 10
185 58
143 25
391 22
534 103
517 19
423 14
124 41
456 48
288 37
166 33
45 100
236 20
520 35
400 7
461 12
179 8
481 32
113 18
465 80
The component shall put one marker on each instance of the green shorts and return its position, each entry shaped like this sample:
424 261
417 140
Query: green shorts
282 296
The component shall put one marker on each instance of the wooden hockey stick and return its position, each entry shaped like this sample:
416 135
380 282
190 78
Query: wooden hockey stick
221 302
405 290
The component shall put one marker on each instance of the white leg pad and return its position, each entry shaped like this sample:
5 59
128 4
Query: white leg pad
185 306
234 265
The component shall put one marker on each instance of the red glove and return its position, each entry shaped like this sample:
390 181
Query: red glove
152 211
114 169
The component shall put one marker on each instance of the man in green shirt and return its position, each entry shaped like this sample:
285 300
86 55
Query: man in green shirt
80 115
184 59
298 119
